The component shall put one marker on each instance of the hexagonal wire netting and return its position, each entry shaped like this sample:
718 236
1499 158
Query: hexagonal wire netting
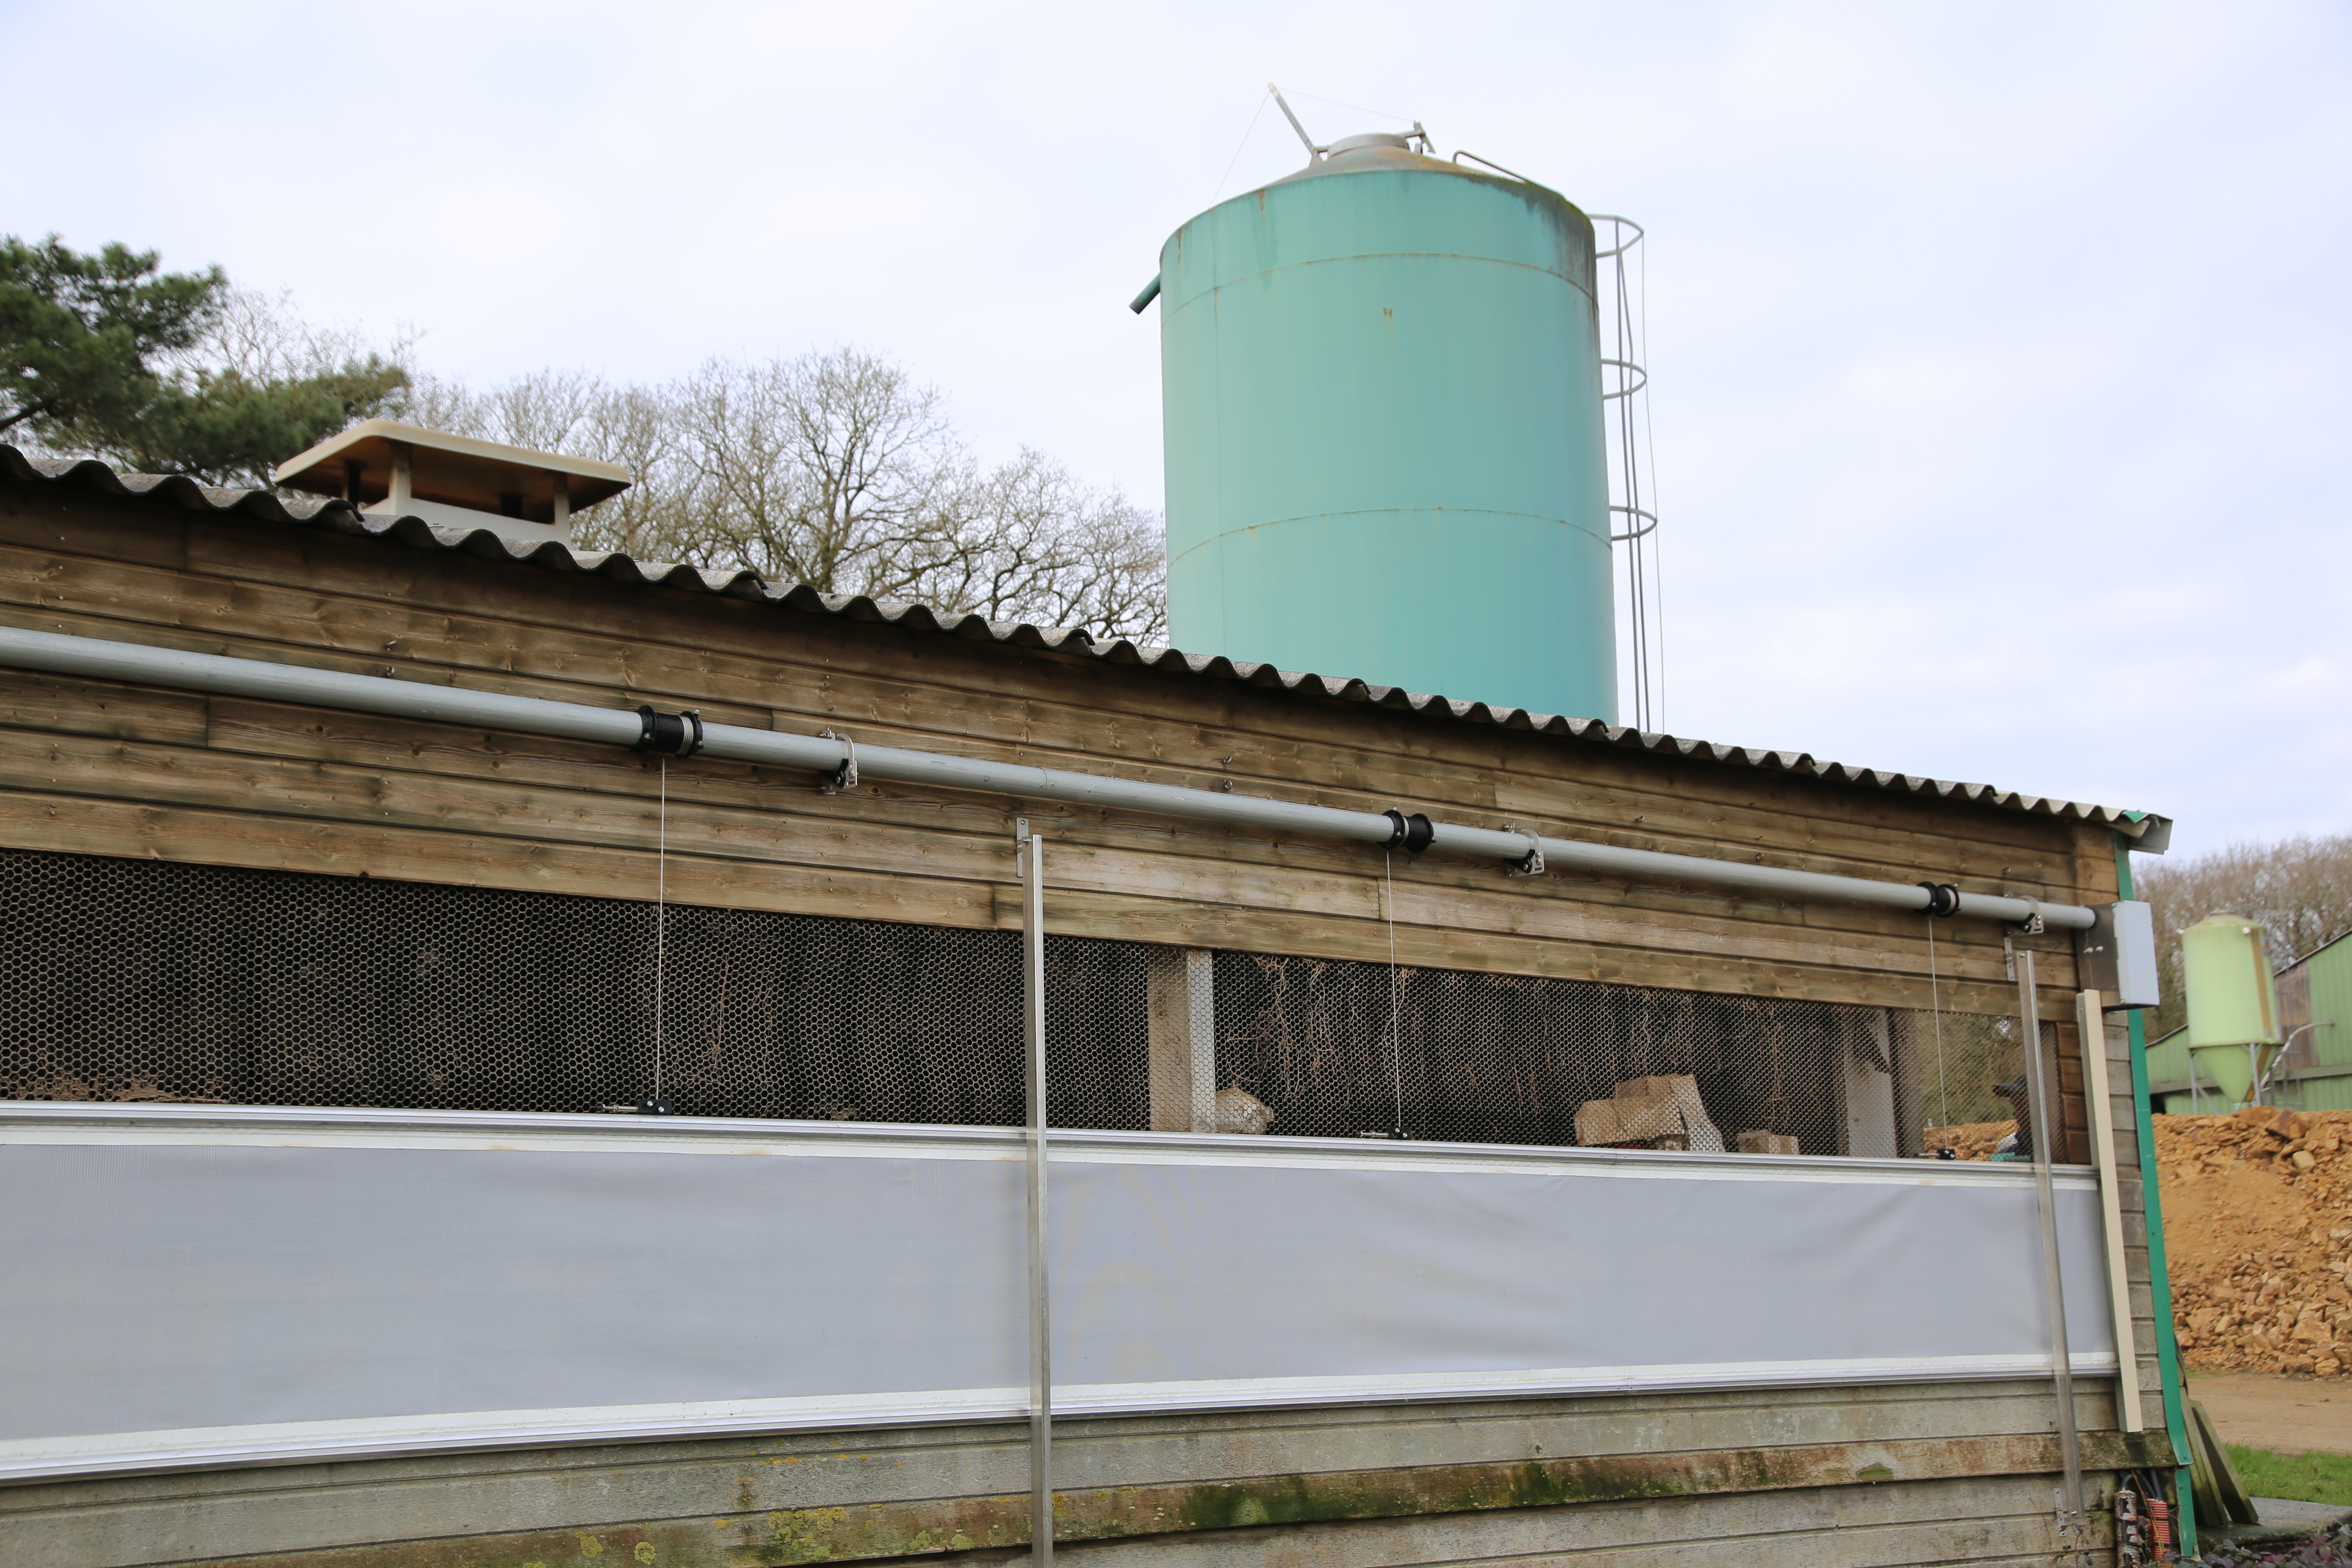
140 980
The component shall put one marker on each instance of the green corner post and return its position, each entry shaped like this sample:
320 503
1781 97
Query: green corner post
2159 1277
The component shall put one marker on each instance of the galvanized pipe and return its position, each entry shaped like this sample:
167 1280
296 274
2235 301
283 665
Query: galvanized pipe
1032 856
2053 1284
97 660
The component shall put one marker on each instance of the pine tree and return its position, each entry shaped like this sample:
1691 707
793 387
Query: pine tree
99 353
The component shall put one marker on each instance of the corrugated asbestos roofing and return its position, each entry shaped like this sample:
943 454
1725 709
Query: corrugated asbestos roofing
2150 831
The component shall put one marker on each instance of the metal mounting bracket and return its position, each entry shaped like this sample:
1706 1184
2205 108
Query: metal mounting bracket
1532 865
844 776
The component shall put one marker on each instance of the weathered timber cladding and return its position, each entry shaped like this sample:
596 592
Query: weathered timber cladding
118 771
1949 1473
1924 1468
2122 1114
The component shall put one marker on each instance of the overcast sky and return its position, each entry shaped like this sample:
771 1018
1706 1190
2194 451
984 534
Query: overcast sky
1999 351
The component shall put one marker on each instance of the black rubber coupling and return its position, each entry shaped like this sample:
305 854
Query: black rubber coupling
1943 898
671 734
1409 834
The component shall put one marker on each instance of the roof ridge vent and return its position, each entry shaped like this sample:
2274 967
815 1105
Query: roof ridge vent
389 469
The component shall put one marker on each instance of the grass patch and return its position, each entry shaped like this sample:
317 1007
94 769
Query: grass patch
2299 1477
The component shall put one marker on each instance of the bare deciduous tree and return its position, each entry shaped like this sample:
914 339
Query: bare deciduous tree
833 470
1033 545
836 469
264 337
636 427
570 412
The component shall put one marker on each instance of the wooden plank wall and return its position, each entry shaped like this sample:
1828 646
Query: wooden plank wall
2123 1115
1943 1473
117 771
113 771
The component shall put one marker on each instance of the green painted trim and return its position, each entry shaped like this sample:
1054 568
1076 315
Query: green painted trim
2159 1273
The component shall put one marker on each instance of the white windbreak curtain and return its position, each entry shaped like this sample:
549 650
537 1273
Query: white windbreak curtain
193 1285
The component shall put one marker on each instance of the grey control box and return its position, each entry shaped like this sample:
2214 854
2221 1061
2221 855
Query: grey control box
2118 956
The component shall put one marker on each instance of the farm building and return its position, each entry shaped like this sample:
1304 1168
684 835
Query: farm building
515 1055
440 943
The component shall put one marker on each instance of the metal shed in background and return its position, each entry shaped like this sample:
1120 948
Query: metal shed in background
2314 1071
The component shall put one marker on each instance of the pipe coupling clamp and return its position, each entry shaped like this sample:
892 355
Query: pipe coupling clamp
670 734
1409 834
844 776
1943 898
1531 864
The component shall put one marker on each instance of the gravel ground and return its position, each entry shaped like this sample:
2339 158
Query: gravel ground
2332 1544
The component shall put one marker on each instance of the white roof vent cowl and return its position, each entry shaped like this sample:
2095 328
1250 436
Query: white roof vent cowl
389 470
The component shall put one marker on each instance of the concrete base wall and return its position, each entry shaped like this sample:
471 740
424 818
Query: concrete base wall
1946 1473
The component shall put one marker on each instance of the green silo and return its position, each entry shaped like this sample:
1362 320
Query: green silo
1384 412
2233 1001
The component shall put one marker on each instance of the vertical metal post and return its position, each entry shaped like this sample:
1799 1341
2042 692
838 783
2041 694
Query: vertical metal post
2054 1288
1032 859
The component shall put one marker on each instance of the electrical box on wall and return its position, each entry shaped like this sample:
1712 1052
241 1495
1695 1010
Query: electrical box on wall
2118 956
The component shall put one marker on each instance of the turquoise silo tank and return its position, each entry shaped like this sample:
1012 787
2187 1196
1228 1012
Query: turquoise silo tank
1383 411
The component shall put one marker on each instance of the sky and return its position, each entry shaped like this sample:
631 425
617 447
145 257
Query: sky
1998 352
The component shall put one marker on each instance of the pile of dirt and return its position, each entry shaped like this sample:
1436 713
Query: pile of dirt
1968 1140
2257 1216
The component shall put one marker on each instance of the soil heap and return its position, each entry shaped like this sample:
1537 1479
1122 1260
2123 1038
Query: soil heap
1968 1140
2258 1230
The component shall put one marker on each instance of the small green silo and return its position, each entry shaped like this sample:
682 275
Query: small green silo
2232 1001
1383 414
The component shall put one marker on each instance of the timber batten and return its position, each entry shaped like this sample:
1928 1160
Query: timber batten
779 1500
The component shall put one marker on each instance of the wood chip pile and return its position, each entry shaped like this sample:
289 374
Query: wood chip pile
1968 1139
2258 1224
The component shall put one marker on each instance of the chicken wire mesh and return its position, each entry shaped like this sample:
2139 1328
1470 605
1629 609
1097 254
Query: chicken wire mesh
1324 1048
134 980
140 980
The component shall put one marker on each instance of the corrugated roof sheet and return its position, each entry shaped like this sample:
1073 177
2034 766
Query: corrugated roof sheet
2151 831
